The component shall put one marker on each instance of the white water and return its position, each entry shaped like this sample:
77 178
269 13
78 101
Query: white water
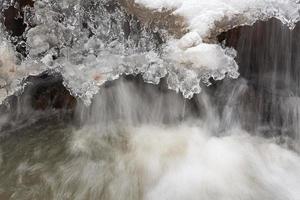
137 141
134 147
187 162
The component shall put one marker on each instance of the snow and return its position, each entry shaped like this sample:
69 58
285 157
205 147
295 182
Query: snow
201 14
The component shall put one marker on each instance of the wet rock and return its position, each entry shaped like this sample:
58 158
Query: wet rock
44 99
48 92
14 17
165 19
268 58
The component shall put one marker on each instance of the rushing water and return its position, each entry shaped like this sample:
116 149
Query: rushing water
139 141
236 140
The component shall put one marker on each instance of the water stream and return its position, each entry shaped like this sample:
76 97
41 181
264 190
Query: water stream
238 139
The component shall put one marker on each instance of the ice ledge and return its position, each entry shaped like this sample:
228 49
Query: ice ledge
197 53
89 54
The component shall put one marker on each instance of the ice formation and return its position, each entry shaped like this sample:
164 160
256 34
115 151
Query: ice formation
13 71
206 19
90 42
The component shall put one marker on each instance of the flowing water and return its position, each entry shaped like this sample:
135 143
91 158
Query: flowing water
236 140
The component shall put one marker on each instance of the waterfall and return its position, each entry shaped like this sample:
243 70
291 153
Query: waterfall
147 100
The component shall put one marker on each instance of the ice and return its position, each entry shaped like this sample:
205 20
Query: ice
91 42
198 48
10 73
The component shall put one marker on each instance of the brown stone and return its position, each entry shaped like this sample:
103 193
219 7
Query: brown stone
165 19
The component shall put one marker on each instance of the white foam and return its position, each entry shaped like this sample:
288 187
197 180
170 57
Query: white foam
187 162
